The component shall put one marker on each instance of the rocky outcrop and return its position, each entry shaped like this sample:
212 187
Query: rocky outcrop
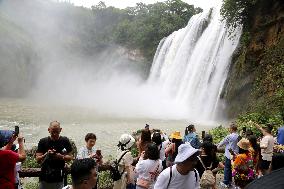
256 78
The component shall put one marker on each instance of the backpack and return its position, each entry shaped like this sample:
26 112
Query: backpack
114 172
207 179
49 173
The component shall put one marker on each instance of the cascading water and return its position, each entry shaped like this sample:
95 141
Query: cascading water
192 64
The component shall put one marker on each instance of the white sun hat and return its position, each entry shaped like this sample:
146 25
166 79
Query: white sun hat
184 152
126 141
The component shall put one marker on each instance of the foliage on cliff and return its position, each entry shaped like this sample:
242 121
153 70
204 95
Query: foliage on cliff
143 26
256 78
237 12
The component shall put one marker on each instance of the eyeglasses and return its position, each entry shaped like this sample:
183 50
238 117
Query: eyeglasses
55 131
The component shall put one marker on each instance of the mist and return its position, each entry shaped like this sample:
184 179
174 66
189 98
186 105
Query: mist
64 66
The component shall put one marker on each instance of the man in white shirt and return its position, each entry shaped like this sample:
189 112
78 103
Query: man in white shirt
230 141
182 175
266 145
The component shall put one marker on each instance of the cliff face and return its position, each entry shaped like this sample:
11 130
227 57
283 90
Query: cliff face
256 78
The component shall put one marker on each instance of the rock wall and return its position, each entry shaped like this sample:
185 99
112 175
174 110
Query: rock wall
256 78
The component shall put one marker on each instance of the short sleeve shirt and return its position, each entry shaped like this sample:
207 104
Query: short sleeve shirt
85 153
207 162
8 160
62 146
178 181
149 170
268 142
126 160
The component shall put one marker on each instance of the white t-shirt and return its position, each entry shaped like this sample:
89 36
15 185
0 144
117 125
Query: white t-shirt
149 170
126 160
268 143
178 181
162 151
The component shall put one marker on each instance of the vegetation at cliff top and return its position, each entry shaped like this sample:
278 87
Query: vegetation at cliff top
143 26
237 12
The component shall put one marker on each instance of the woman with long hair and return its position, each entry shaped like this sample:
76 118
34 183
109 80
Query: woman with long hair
208 160
157 139
148 167
191 137
172 149
145 138
256 151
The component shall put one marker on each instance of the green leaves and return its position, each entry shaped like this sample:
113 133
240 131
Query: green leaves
143 26
237 12
219 133
246 120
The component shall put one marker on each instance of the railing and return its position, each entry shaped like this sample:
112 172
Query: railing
35 172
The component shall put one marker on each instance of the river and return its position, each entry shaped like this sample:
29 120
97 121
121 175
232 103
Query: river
34 118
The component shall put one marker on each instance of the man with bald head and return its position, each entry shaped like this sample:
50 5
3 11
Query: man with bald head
52 153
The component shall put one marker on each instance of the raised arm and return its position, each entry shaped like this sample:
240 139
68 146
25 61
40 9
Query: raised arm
21 152
259 128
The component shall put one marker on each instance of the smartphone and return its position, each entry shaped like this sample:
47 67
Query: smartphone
232 152
17 130
98 153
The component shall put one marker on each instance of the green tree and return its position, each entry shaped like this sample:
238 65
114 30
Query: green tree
143 26
237 12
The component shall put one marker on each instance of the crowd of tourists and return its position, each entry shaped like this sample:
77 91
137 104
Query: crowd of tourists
173 162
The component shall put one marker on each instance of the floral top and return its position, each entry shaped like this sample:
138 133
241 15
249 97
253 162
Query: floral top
243 168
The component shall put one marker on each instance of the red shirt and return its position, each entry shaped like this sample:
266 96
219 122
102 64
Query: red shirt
8 160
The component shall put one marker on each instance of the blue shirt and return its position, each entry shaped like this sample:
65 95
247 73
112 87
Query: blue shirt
189 137
85 153
231 143
280 136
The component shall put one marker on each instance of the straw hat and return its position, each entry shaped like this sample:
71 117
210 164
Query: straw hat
244 144
176 135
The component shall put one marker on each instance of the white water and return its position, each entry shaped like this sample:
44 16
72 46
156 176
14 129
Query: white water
192 65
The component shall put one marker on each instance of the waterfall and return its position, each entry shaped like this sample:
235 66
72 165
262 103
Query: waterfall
191 65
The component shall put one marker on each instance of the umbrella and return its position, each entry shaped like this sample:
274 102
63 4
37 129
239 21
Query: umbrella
273 180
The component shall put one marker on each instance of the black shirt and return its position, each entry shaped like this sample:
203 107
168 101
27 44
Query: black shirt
207 161
51 167
62 146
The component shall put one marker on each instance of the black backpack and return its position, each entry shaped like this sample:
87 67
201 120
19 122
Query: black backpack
114 172
49 173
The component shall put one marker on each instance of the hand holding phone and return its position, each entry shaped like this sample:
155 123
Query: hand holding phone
99 153
17 130
21 139
51 151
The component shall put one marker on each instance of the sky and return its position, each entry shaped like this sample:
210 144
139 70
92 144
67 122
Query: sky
205 4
